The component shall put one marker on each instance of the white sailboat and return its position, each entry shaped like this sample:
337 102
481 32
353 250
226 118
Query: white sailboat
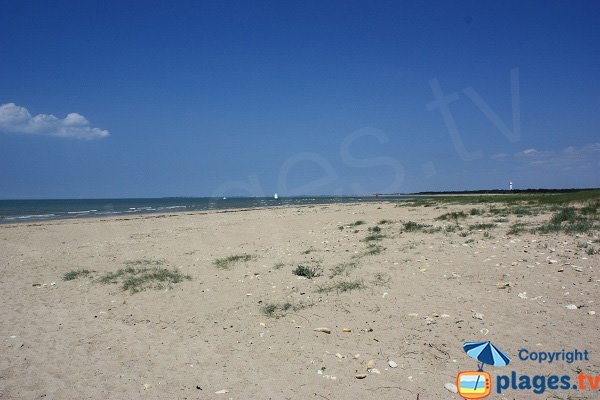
275 196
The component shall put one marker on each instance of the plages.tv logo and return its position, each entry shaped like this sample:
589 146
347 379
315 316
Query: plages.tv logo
473 385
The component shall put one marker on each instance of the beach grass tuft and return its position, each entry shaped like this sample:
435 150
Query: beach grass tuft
278 310
412 226
227 262
357 223
69 276
481 226
307 272
342 287
452 216
138 279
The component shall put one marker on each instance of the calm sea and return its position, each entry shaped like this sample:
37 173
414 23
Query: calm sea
37 210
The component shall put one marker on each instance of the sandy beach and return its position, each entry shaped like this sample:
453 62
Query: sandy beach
390 294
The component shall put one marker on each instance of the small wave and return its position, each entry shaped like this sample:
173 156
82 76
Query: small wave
81 212
31 216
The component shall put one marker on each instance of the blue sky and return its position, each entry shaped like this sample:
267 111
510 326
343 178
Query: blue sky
200 98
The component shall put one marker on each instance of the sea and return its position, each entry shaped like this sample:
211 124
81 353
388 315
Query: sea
12 211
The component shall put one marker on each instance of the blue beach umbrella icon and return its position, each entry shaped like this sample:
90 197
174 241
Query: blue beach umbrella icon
486 353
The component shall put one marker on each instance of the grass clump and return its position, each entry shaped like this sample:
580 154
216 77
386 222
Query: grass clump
342 287
452 216
307 272
139 279
375 229
452 228
385 221
69 276
475 211
227 262
570 220
517 228
357 223
373 249
482 226
412 226
375 236
278 310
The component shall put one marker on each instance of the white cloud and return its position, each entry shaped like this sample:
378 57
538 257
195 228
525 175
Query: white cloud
572 157
15 119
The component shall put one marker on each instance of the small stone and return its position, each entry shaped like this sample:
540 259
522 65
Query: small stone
561 270
347 330
451 387
356 355
371 364
578 269
552 261
392 364
523 295
592 312
375 371
324 330
360 376
478 315
222 391
338 355
147 386
571 307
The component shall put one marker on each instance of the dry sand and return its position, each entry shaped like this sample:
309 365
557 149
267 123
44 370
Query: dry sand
81 339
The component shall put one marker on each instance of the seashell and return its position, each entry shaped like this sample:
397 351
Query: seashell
360 376
324 330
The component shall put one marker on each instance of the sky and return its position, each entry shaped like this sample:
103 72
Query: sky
105 99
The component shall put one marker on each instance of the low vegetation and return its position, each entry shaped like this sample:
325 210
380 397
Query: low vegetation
412 226
69 276
307 272
278 310
481 226
228 262
452 216
342 287
137 279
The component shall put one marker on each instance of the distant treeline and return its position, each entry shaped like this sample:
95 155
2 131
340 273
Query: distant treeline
505 191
